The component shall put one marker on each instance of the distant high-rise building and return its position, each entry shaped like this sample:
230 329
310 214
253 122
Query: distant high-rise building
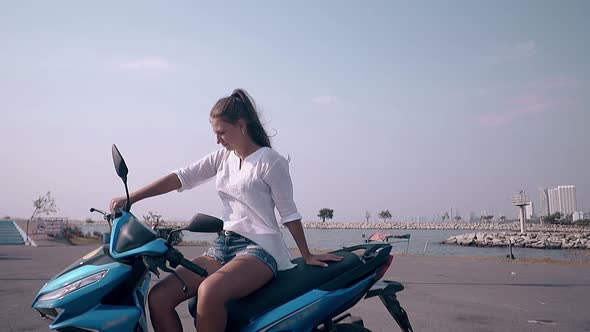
553 200
561 199
567 199
544 200
530 211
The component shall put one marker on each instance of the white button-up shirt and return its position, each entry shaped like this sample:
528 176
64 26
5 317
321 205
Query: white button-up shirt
249 195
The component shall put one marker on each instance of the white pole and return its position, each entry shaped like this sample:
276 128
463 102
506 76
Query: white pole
522 218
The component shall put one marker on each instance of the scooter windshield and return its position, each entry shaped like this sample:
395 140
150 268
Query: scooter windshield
130 233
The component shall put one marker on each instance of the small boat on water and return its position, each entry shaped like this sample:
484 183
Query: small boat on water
388 238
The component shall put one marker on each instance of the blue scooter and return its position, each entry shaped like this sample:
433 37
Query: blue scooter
106 290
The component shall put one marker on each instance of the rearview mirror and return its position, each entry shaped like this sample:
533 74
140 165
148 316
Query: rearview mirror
122 171
205 224
119 162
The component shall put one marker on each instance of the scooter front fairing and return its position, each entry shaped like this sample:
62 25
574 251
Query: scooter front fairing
106 289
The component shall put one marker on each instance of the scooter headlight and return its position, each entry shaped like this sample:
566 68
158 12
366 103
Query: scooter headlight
65 290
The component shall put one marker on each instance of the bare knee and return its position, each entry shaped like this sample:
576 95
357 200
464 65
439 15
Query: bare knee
159 298
207 295
156 295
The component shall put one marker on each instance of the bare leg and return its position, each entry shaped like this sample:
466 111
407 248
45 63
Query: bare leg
167 294
236 279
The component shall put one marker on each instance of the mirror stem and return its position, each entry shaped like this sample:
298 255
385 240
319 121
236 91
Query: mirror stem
128 204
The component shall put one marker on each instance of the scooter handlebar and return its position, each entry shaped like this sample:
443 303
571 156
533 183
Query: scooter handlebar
193 267
176 258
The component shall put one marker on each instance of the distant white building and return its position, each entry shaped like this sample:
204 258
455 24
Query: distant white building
544 201
567 199
553 200
562 199
577 215
529 211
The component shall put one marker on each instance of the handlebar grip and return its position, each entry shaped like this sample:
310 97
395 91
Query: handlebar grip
193 267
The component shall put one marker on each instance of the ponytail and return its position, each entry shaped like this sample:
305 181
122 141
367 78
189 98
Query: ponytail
239 105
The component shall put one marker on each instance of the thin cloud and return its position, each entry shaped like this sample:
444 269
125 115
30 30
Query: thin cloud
494 120
551 84
522 50
514 53
147 63
519 106
530 103
483 92
324 100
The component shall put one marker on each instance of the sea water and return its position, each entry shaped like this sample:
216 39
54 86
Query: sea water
421 242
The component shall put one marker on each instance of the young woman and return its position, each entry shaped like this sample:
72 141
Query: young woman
252 180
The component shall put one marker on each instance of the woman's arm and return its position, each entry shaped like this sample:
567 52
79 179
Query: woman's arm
180 179
161 186
281 190
296 231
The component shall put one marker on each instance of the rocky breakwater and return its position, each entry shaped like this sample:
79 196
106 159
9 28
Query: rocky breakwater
512 226
540 240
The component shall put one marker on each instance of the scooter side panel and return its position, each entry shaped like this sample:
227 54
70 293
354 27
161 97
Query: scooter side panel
104 318
304 312
140 298
284 310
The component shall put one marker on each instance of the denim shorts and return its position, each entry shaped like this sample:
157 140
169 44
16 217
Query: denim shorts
229 245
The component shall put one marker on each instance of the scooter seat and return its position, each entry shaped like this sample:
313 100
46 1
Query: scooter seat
286 286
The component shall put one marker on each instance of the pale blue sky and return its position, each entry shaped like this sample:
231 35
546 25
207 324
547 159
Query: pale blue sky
415 107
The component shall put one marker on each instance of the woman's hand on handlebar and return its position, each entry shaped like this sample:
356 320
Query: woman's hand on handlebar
117 203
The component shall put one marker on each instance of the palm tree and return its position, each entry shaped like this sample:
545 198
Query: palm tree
385 215
367 215
487 218
326 213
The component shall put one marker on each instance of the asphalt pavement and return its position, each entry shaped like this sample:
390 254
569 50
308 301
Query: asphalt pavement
442 293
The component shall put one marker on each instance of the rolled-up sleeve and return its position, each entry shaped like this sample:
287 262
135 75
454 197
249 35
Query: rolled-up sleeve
281 190
200 171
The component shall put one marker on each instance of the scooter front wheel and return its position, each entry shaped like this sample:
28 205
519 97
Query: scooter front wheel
349 328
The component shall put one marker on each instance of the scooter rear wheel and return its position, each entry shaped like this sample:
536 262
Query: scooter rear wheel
349 328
